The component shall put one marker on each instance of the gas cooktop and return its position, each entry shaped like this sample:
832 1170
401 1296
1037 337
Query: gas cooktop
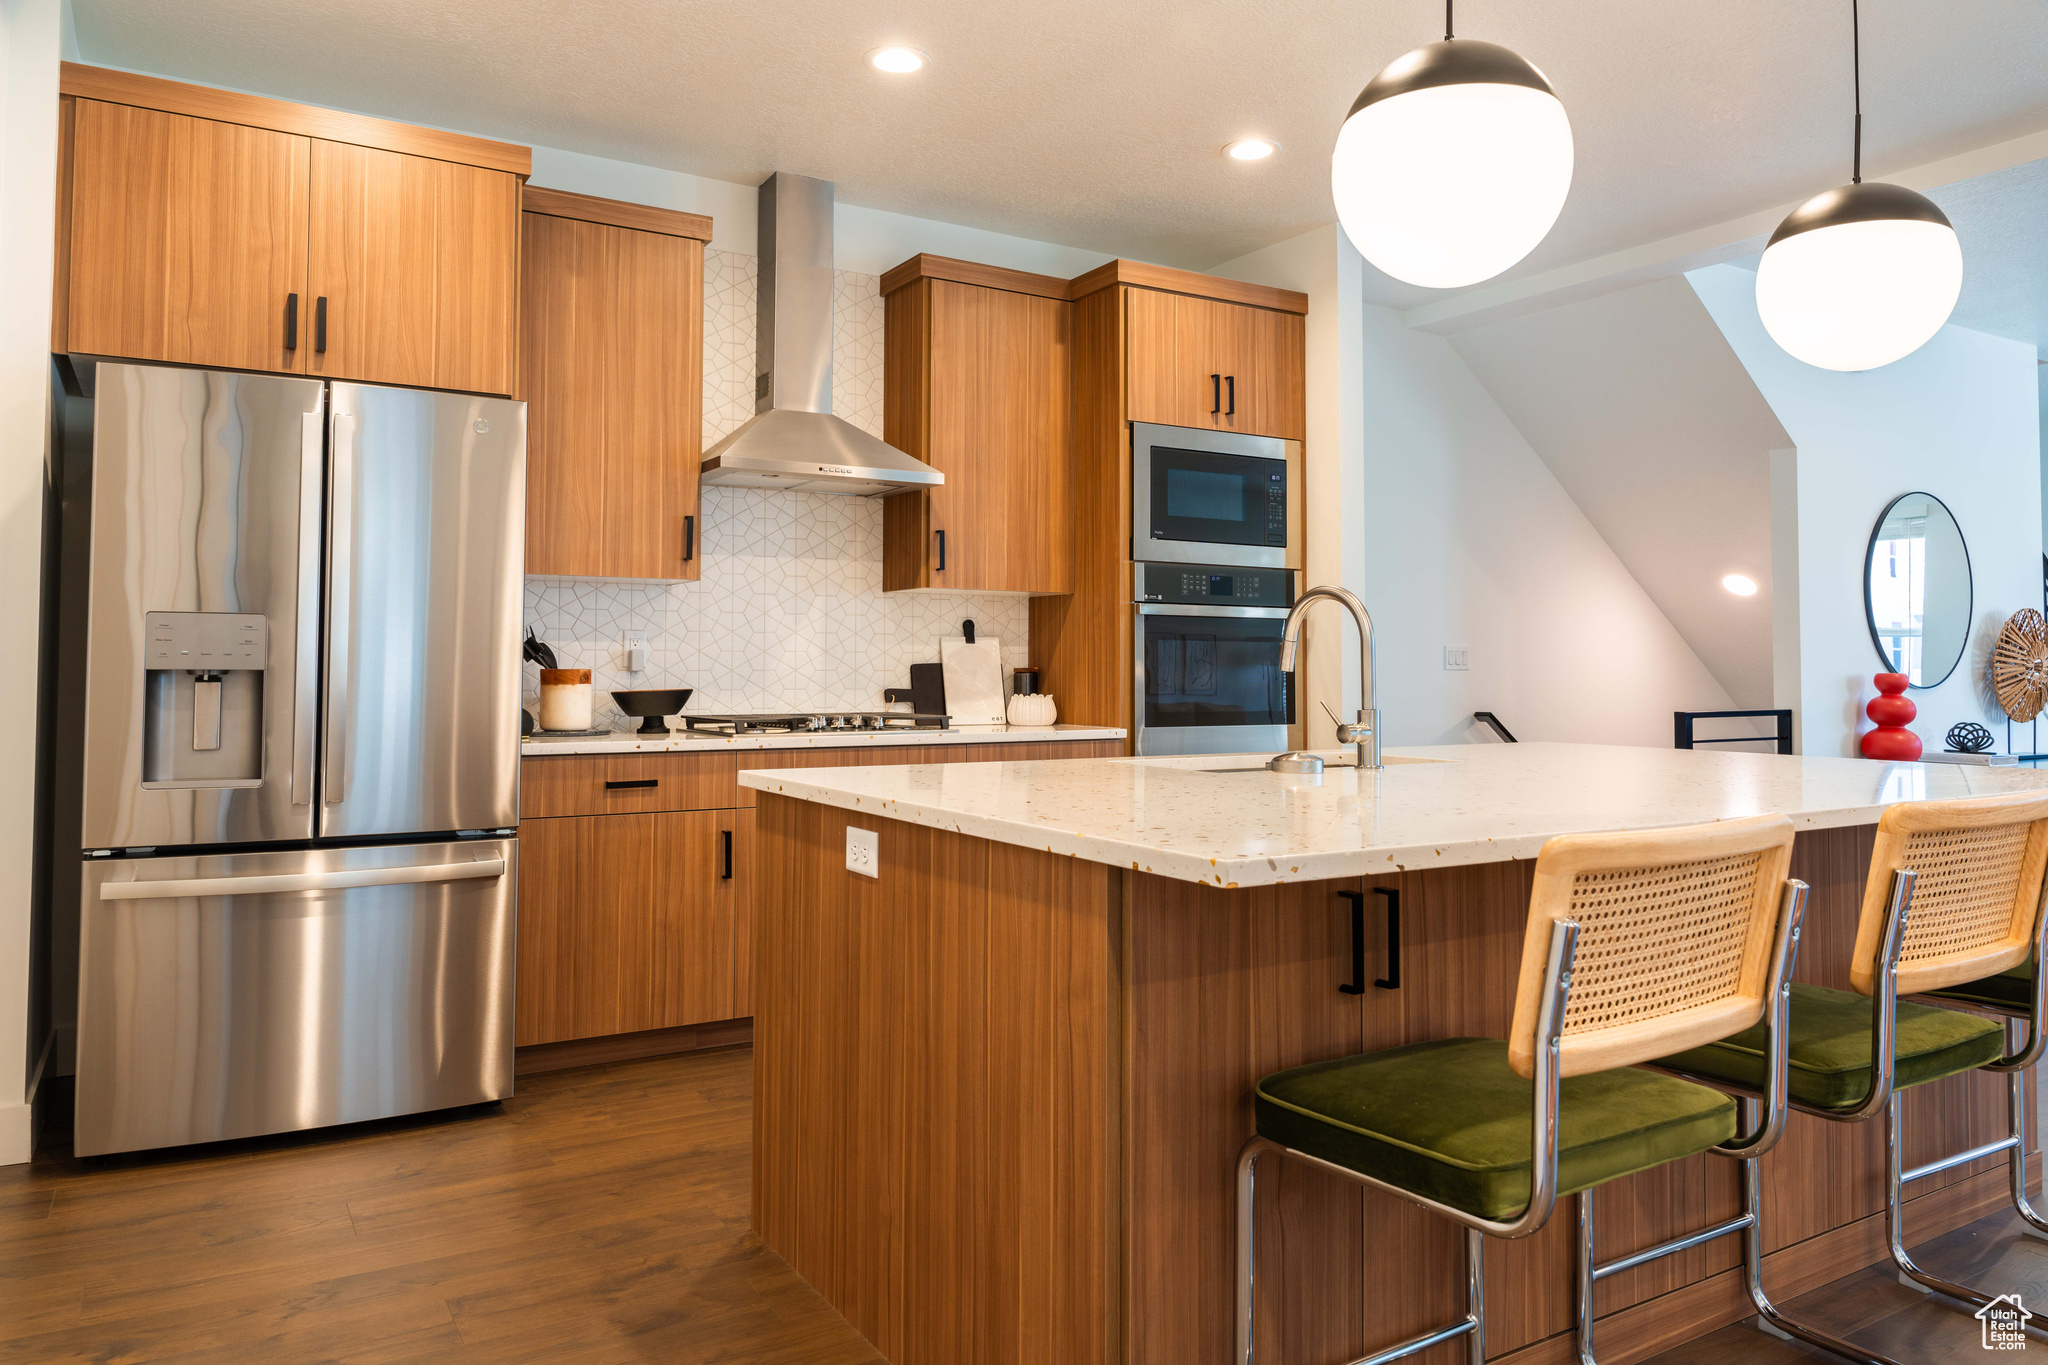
811 722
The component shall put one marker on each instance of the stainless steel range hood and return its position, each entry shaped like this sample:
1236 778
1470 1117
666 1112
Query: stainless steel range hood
793 442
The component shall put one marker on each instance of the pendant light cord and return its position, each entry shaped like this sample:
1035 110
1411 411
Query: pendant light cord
1447 20
1856 67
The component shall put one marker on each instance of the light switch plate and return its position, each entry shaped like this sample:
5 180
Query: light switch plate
863 852
1454 658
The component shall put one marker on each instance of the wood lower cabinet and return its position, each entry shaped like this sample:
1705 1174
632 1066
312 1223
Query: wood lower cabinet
637 885
413 270
206 227
612 372
1199 362
626 923
976 380
187 239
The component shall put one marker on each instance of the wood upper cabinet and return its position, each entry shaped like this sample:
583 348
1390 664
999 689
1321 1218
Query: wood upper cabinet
187 239
612 370
413 270
1199 362
205 227
976 384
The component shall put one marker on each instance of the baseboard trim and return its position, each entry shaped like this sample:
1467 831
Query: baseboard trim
17 1134
625 1047
1654 1325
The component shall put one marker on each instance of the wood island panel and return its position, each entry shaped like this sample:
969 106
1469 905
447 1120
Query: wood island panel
934 1073
922 1038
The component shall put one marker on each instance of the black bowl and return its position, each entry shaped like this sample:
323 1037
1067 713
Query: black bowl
652 704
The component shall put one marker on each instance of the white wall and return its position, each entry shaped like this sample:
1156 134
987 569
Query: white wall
29 45
1958 418
1450 527
1324 265
1641 409
865 241
1469 540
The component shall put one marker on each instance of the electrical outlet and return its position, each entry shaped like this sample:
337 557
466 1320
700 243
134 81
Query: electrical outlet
1454 658
863 852
635 643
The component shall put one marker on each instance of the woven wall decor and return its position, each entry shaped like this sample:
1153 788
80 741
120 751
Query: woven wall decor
2019 665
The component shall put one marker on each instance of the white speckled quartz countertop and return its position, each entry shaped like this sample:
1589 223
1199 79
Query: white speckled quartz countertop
697 741
1428 807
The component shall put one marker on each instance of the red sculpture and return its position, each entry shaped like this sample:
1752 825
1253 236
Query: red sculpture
1891 740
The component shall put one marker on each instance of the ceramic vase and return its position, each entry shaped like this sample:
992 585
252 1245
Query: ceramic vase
1891 710
1035 708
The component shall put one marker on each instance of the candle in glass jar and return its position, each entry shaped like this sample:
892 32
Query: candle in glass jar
565 699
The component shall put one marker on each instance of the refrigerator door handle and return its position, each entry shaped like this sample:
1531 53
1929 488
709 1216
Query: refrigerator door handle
301 881
306 666
340 617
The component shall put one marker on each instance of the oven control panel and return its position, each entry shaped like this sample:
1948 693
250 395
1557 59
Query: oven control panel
1215 585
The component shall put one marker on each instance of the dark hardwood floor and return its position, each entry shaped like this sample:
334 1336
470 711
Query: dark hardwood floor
1872 1309
599 1217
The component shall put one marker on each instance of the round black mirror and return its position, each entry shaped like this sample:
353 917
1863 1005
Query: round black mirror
1916 589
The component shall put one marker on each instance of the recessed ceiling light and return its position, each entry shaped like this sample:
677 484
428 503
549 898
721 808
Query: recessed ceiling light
898 61
1251 149
1740 584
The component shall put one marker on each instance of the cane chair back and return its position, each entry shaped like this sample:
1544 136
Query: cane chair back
1976 903
1676 931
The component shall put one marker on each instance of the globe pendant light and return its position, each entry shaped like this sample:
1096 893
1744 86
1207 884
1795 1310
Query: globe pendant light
1862 275
1452 164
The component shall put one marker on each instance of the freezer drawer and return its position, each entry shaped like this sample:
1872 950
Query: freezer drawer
228 996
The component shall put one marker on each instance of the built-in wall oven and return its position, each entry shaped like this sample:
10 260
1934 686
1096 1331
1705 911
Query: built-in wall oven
1214 497
1207 677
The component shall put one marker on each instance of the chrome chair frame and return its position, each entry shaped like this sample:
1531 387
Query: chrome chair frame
1762 1134
2015 1065
1883 1057
1764 1131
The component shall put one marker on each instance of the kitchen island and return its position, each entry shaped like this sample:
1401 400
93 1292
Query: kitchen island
1000 1086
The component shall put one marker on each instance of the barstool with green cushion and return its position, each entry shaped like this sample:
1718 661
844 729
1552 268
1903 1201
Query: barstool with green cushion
1634 941
1951 907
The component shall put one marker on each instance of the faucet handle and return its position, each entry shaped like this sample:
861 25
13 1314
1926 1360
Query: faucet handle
1348 733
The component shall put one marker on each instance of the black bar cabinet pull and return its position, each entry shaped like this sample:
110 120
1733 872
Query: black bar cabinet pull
1215 394
634 782
1392 980
727 874
942 550
1356 985
1231 380
291 322
320 325
689 539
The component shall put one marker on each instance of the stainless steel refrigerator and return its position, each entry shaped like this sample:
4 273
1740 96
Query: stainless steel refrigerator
298 753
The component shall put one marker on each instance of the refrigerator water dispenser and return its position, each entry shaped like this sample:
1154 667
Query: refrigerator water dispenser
202 707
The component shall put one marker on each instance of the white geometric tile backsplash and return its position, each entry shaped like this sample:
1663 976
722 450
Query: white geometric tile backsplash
789 612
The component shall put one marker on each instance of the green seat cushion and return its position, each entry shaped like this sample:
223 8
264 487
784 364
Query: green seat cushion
1450 1120
1830 1048
2012 989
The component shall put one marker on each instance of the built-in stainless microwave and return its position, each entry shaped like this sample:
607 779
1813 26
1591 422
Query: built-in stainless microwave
1214 497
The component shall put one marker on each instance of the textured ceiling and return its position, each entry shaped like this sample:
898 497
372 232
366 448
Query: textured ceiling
1098 125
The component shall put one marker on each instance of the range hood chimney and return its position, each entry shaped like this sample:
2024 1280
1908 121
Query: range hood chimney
793 442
